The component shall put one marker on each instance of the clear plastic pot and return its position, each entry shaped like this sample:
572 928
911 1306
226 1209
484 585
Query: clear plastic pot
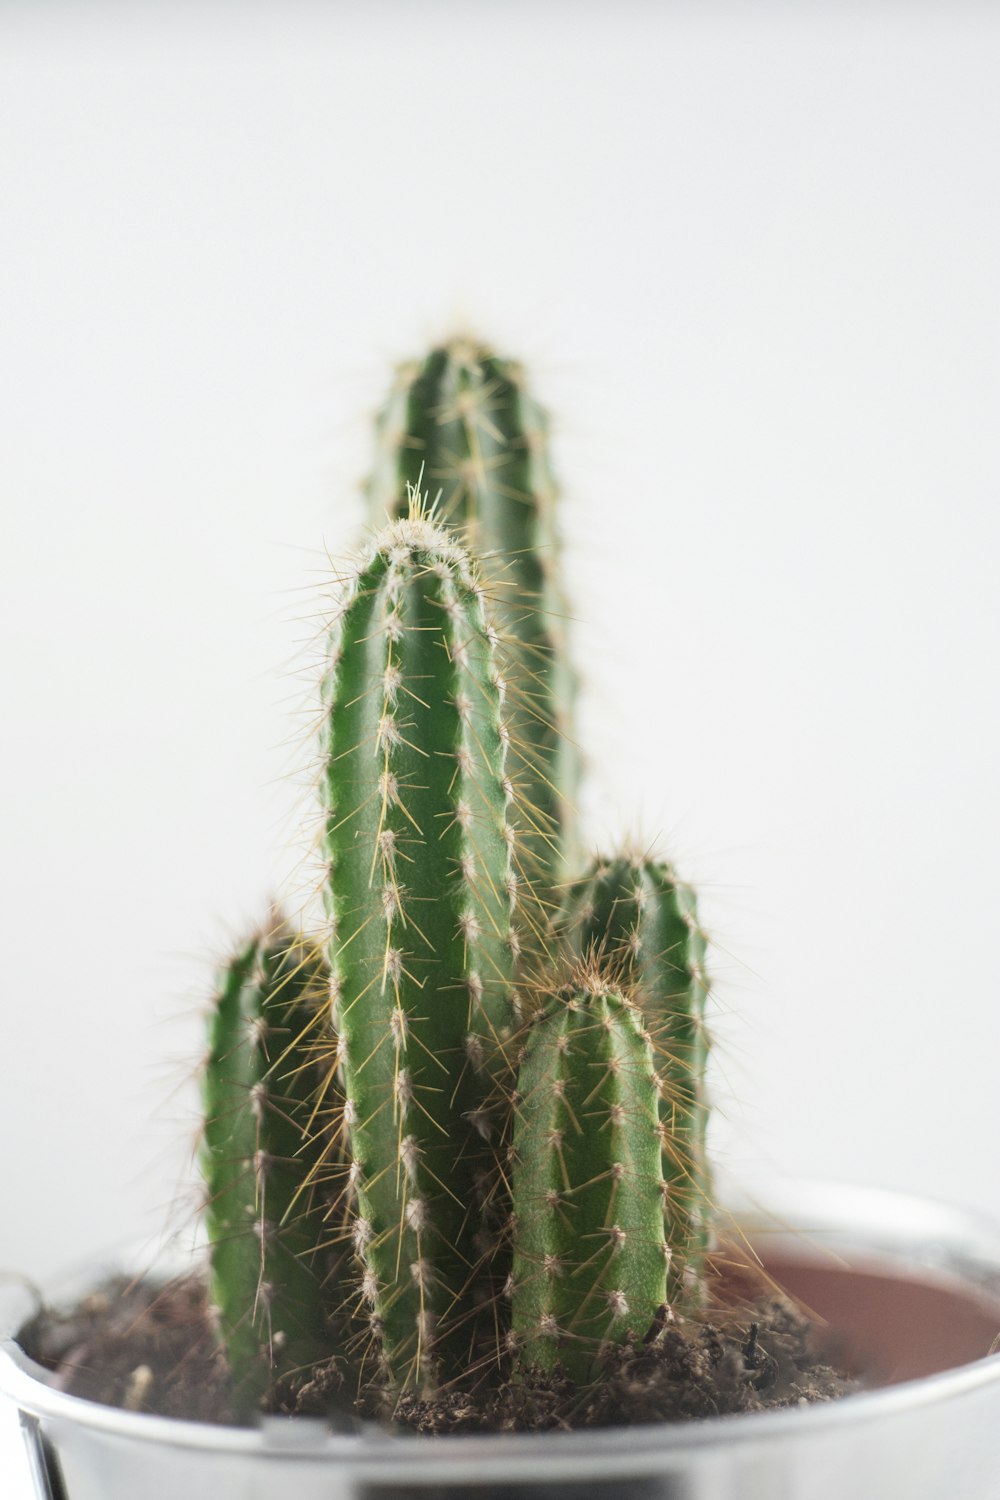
910 1289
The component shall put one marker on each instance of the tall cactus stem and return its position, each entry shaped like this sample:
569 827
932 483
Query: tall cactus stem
420 887
462 423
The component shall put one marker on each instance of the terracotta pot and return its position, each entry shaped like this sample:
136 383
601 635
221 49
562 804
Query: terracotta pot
909 1295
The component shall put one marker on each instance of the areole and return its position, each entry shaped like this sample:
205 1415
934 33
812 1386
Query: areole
910 1290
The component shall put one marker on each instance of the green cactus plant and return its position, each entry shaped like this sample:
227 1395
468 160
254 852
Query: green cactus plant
640 920
414 1095
420 886
461 423
590 1250
262 1155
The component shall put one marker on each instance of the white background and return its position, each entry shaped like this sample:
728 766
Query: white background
751 254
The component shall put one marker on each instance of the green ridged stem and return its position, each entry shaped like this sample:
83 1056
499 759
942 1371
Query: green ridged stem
635 916
461 423
260 1152
420 891
590 1261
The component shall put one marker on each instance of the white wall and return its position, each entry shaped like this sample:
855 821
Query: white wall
751 253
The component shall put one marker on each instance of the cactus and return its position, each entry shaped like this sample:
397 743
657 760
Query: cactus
639 919
261 1154
420 889
377 1101
590 1254
460 422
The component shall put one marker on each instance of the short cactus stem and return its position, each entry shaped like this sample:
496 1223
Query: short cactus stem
639 920
590 1253
420 892
262 1155
462 424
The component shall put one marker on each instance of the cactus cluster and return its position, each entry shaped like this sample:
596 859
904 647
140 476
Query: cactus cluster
468 1118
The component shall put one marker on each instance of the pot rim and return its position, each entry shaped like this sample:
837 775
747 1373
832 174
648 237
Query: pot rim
890 1227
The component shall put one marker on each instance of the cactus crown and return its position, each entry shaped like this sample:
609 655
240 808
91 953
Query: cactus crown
395 1142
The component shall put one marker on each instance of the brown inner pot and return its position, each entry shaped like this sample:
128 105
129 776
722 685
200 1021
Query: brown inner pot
886 1323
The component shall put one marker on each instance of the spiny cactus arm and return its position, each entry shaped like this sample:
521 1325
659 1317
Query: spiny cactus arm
642 921
462 423
261 1143
420 890
590 1256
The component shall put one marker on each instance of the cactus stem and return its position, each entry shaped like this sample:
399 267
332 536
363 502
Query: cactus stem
423 962
462 420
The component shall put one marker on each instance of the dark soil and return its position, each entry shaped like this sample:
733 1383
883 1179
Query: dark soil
139 1345
150 1347
681 1371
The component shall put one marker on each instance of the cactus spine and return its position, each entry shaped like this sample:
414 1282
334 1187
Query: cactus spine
420 890
636 917
260 1153
590 1255
462 422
